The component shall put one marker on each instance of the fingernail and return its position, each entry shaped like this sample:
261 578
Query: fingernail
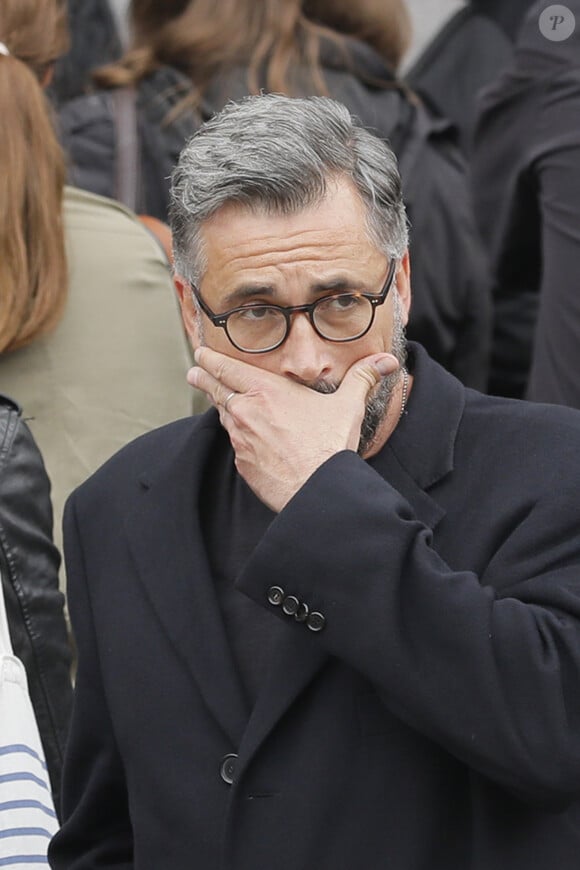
192 377
385 365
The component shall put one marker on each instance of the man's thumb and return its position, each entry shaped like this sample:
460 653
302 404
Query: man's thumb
366 373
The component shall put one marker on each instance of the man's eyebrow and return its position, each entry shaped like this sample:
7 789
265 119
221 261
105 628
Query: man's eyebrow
249 291
337 285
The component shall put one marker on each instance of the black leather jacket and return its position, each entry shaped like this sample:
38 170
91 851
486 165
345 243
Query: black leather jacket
29 565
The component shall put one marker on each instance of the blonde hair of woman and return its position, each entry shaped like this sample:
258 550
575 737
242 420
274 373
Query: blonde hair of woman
33 275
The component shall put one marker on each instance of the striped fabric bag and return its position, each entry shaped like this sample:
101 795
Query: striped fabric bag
27 816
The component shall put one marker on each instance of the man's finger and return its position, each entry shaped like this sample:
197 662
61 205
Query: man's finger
233 373
205 382
217 393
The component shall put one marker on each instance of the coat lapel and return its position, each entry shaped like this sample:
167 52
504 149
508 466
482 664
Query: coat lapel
166 540
295 663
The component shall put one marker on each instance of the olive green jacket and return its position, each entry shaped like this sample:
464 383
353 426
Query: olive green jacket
115 366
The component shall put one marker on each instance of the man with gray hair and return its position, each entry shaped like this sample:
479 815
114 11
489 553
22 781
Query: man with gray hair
333 623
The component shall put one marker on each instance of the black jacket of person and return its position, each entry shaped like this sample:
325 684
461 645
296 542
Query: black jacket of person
526 176
508 16
463 57
427 719
451 312
29 565
94 42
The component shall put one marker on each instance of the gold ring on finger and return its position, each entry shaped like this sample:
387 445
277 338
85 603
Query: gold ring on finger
229 397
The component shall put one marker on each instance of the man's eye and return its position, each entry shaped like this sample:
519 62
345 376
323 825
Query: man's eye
257 312
347 302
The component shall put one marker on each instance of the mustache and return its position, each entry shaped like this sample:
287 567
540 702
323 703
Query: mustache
323 386
328 387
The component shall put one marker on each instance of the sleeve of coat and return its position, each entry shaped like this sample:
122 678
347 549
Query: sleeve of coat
96 829
553 376
487 667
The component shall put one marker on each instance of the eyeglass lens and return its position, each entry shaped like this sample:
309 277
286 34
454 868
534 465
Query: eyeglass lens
338 318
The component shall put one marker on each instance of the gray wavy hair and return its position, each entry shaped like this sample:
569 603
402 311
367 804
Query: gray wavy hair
277 154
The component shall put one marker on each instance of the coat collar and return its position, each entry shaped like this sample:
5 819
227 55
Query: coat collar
421 451
424 442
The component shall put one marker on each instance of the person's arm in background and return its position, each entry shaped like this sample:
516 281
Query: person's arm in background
556 351
524 162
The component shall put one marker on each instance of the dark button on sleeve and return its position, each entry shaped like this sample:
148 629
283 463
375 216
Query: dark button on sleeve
316 621
290 605
275 595
301 614
228 767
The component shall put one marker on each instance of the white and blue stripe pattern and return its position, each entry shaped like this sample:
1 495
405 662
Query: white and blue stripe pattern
27 817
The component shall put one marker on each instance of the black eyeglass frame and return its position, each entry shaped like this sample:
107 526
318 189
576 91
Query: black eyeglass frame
375 299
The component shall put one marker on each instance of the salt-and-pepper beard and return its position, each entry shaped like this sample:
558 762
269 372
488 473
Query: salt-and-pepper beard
381 396
378 402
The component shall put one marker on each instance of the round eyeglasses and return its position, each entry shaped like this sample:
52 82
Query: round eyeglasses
259 328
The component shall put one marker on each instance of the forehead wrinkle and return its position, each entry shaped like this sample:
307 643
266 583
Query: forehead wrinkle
306 257
285 252
308 243
310 268
324 243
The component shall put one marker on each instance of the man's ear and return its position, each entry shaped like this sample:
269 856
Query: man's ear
189 313
403 279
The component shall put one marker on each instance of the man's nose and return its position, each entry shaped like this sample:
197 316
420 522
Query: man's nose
304 356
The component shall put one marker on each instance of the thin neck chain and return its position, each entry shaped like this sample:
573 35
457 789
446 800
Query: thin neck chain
404 392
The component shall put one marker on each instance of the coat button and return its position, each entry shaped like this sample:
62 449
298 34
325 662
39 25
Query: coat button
290 605
301 614
275 595
228 767
316 621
